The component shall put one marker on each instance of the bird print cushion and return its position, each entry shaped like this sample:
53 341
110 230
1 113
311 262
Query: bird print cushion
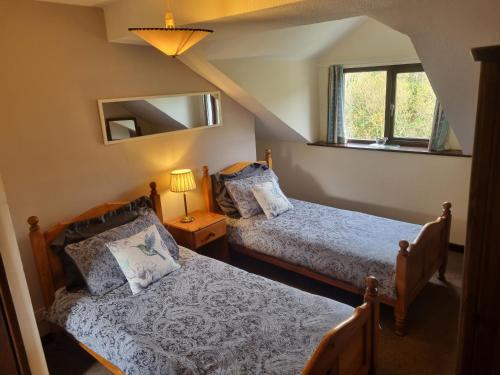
144 258
271 199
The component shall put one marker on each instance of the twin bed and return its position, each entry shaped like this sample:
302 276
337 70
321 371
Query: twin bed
341 247
208 317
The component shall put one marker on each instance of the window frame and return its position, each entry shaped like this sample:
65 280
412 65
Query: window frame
390 102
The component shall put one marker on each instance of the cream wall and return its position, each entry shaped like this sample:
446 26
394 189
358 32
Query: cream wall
288 88
55 64
395 185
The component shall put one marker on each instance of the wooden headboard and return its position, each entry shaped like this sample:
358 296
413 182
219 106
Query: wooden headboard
49 267
206 182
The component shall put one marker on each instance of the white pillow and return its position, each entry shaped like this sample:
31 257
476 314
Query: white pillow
143 258
271 199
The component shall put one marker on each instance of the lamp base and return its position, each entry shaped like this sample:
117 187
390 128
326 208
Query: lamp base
187 219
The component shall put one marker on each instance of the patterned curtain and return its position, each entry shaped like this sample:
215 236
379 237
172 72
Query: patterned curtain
335 125
440 129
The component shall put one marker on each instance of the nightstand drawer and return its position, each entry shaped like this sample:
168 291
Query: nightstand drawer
210 233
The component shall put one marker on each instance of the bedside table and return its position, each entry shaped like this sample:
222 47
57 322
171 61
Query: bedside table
205 235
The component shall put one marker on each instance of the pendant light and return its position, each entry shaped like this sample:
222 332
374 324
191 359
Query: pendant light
171 40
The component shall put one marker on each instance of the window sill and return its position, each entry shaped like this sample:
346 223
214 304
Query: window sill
403 149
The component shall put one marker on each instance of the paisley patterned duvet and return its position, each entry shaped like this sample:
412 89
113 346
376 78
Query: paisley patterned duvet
205 318
346 245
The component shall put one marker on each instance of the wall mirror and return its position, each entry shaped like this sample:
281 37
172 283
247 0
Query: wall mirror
132 118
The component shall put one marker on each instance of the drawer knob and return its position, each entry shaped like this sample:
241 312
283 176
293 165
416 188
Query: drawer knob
210 235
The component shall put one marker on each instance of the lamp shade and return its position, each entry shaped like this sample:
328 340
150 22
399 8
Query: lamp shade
182 180
171 40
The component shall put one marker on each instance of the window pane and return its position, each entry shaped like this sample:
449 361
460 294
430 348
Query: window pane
415 101
364 104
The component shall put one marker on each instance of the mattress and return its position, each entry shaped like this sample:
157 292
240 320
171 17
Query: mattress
345 245
205 318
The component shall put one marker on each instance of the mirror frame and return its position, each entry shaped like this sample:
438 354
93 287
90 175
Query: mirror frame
101 102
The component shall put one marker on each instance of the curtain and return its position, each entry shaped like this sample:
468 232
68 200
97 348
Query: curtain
440 129
211 114
335 122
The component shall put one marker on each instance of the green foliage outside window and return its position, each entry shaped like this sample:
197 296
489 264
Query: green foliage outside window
365 101
364 104
415 101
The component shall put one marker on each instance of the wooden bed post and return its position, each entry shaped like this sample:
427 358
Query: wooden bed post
269 158
371 296
156 201
400 309
341 344
206 186
42 261
446 241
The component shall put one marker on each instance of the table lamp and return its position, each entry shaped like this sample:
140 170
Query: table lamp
182 180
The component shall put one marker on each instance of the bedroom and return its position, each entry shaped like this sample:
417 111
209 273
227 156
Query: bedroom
62 58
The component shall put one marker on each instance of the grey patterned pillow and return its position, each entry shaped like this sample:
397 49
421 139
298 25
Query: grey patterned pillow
222 197
242 195
96 263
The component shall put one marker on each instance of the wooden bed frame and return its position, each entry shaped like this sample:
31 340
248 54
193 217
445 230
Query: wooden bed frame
347 349
416 263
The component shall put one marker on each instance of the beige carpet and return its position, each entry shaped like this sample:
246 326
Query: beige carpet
428 349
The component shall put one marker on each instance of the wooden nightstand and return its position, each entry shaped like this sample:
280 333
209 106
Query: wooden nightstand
206 234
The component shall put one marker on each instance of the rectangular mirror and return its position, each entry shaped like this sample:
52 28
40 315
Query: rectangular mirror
132 118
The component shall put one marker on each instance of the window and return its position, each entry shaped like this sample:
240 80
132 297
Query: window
395 101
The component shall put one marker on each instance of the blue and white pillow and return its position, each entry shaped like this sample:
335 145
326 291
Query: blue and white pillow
242 195
271 199
143 258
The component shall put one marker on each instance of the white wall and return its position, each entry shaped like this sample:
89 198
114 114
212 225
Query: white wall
288 88
371 43
401 186
53 160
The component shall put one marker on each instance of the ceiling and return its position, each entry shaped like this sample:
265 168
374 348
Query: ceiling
299 42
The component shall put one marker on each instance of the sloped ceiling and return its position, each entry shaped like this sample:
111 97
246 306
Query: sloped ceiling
298 42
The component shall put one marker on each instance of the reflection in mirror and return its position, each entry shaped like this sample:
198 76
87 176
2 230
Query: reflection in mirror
130 118
122 128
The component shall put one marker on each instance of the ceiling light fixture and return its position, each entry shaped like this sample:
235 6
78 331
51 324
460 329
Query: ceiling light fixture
171 40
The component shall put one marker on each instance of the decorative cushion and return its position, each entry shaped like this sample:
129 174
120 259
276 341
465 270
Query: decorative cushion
144 258
271 199
220 192
97 265
242 195
84 229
